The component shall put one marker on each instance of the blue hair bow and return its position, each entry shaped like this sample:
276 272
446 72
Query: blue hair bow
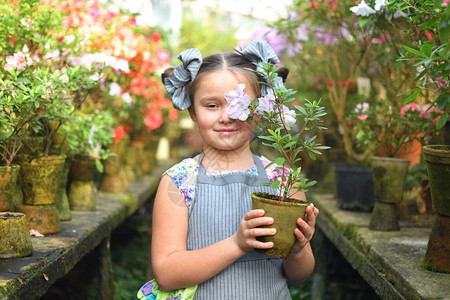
260 51
183 75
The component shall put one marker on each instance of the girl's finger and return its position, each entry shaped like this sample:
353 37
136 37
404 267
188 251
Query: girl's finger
306 229
255 232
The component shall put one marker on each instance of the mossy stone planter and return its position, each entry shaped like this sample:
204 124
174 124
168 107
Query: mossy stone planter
81 190
285 215
62 201
42 218
15 238
389 176
437 256
114 179
8 180
39 178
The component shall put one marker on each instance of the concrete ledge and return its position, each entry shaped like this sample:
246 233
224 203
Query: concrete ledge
388 261
55 255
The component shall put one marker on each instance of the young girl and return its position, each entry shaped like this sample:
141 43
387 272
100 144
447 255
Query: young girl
204 229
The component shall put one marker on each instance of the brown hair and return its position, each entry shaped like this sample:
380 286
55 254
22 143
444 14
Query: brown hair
231 61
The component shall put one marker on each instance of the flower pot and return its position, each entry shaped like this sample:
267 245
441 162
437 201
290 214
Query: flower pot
389 176
437 256
149 161
114 179
354 187
82 168
8 179
15 235
39 178
62 201
285 215
42 218
81 190
132 161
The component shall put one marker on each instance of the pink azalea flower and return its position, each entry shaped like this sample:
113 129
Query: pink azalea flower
238 103
362 117
114 89
127 98
267 103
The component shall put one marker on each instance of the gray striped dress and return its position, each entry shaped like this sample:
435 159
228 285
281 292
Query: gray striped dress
215 214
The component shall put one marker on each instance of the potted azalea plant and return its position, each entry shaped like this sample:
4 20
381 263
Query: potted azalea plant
280 133
88 139
19 105
390 130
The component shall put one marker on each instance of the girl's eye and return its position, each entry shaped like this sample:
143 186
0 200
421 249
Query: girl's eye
212 106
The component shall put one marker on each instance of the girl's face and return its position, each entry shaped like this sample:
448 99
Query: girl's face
209 111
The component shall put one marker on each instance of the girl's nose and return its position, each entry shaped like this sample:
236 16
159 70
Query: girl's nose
224 118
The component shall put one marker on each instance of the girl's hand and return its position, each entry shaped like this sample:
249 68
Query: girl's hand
305 230
247 232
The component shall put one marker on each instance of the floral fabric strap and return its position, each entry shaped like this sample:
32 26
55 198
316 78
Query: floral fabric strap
260 51
151 291
183 74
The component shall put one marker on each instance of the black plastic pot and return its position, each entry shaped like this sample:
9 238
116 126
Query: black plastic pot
354 187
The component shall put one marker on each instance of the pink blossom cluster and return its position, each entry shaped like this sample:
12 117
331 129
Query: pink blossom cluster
19 61
362 109
442 82
239 102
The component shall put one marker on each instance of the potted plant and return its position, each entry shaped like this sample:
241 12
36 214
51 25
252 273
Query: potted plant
88 139
279 133
344 59
17 108
389 130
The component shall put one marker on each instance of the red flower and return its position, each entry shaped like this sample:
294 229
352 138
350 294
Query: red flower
156 37
153 120
118 133
173 114
330 82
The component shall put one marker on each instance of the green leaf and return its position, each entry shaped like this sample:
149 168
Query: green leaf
412 96
280 161
426 50
311 155
413 51
441 121
98 165
276 184
36 104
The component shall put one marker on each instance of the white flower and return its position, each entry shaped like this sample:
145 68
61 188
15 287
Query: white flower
379 4
238 103
400 14
122 65
70 39
362 9
115 89
64 78
127 98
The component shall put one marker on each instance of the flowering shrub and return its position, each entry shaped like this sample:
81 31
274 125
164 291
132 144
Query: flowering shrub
390 129
36 71
132 56
278 121
338 47
89 135
426 23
